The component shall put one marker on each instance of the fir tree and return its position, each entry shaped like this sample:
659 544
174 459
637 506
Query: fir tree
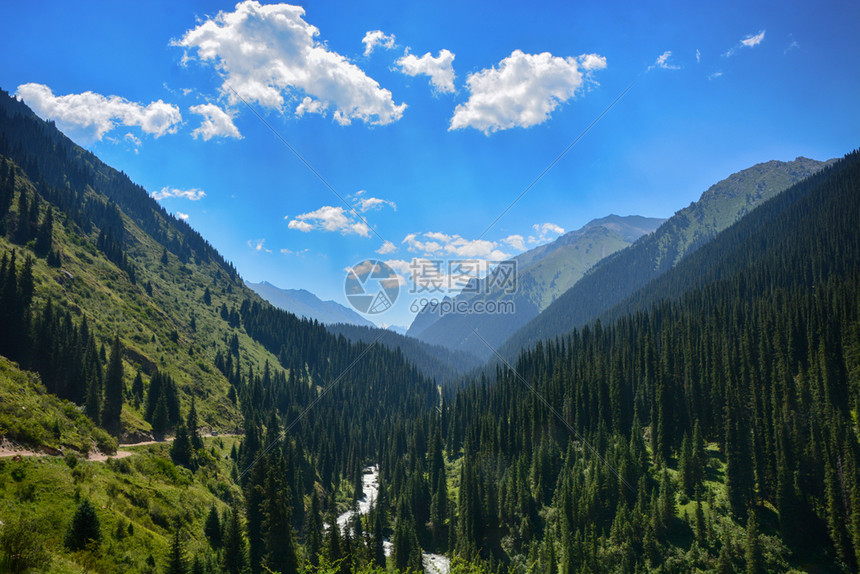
176 558
212 528
85 529
113 390
180 451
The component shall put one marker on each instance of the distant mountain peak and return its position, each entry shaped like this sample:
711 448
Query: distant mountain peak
305 304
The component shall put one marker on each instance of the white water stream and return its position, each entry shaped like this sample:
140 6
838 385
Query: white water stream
433 563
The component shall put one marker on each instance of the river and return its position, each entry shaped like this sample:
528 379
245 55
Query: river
433 563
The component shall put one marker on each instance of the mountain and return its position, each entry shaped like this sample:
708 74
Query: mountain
305 304
622 273
543 274
119 322
715 419
439 363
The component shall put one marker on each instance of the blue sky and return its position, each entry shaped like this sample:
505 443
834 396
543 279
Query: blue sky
437 121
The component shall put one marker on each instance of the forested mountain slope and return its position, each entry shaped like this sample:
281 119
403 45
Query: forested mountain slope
621 274
434 361
715 432
109 302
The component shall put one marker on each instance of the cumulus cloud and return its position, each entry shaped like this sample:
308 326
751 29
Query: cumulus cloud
750 41
663 61
90 115
517 242
435 244
374 38
182 216
166 192
545 232
330 218
270 55
387 247
440 69
364 204
523 90
216 123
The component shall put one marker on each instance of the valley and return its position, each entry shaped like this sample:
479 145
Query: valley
350 288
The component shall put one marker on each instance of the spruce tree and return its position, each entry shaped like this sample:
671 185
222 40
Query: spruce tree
192 427
752 548
176 558
234 543
85 528
278 531
180 451
113 390
212 528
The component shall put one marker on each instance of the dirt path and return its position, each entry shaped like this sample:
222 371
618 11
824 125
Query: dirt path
9 450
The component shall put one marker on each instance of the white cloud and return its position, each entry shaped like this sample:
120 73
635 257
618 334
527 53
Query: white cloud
258 245
517 242
387 247
751 41
793 46
269 55
330 218
698 56
442 245
182 216
374 38
216 123
591 62
365 204
545 232
90 116
523 90
133 139
440 69
715 75
663 62
166 192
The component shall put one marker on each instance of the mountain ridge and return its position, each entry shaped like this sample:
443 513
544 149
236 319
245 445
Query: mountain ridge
305 304
625 271
543 273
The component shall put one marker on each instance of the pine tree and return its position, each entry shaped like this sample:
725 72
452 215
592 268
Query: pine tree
137 388
44 237
94 399
212 528
176 559
234 543
192 426
180 451
113 390
752 549
160 422
687 468
278 531
314 531
85 529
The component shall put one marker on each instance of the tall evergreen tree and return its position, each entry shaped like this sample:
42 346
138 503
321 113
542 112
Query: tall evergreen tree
85 528
176 563
113 390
